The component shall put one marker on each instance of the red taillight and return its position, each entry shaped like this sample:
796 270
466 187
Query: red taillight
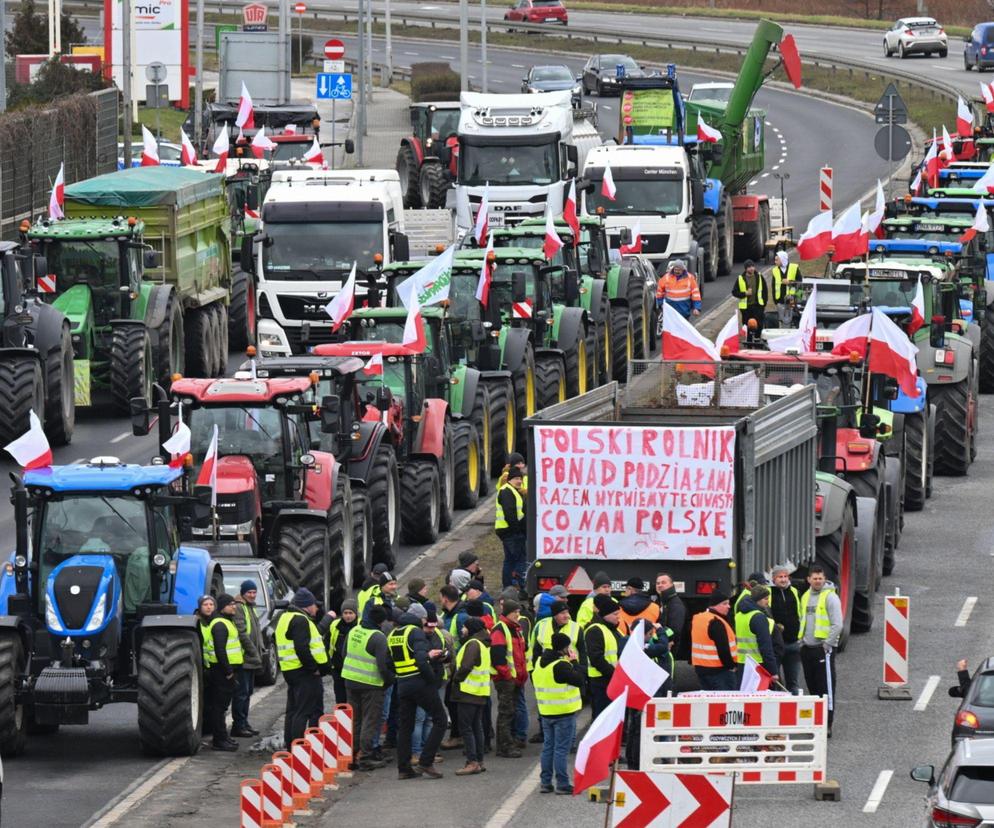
909 32
819 504
857 448
941 818
547 583
967 719
983 50
945 356
707 587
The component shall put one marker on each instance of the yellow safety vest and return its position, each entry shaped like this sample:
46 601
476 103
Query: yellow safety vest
553 698
610 649
510 649
249 614
585 614
501 522
359 666
543 632
400 651
334 632
791 277
477 683
822 625
232 649
367 594
286 653
760 297
747 643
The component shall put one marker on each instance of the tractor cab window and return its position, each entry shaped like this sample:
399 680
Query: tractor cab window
895 293
444 123
830 390
463 303
91 263
501 287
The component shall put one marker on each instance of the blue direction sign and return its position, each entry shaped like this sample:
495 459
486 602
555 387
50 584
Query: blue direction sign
334 86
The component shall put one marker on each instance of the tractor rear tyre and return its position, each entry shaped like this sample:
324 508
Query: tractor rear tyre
13 716
916 474
870 483
407 170
640 317
21 390
526 400
301 549
169 344
198 343
952 433
705 232
502 432
987 352
726 236
837 554
383 492
362 535
594 358
467 464
622 342
421 502
550 381
341 536
60 393
221 315
577 366
170 692
241 311
447 479
131 366
432 185
481 418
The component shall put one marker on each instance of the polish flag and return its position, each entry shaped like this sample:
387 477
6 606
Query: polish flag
964 119
553 244
481 229
314 154
817 238
150 149
570 214
848 237
851 336
178 446
290 129
946 154
31 449
754 678
892 353
245 119
600 745
58 197
985 184
374 368
636 673
188 155
414 327
791 60
486 275
931 163
875 219
916 185
917 309
807 329
980 224
220 149
729 337
261 144
208 471
681 340
707 134
608 189
340 308
636 245
987 95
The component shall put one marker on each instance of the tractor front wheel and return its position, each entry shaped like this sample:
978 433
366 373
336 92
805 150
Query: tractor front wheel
383 488
60 392
421 502
13 716
131 366
170 692
301 550
952 427
467 464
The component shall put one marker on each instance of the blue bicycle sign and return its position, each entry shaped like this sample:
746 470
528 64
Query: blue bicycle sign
333 86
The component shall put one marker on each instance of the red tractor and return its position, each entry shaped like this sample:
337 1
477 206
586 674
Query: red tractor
427 159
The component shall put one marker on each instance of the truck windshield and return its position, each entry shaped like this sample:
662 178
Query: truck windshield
633 197
243 431
84 262
508 165
302 251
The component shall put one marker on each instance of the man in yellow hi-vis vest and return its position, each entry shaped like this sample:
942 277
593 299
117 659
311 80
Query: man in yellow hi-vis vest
303 659
821 629
223 655
510 526
753 293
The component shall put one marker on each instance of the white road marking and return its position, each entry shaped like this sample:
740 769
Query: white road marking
926 696
517 66
80 460
764 175
964 614
413 54
124 435
879 789
606 106
447 57
526 787
753 183
776 167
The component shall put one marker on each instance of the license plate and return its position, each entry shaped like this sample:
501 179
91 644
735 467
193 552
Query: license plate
929 228
495 219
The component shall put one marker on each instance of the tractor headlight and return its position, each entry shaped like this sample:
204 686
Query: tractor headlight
159 560
97 620
51 617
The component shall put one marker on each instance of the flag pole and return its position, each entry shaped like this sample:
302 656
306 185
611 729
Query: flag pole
610 795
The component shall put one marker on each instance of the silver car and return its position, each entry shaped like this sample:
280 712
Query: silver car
963 795
915 36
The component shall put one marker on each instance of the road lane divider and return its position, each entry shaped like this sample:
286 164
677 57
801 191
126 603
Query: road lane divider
877 794
926 694
964 614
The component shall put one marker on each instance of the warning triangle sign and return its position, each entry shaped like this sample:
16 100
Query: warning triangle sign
578 582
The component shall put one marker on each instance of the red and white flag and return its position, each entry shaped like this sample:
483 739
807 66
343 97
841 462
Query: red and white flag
681 340
980 224
988 95
290 129
608 190
874 220
150 149
892 353
600 745
807 329
755 679
553 244
916 185
221 148
985 184
931 163
208 471
178 446
946 154
848 237
636 672
636 244
486 275
188 154
917 309
851 336
414 327
481 228
340 308
245 119
261 144
374 368
964 119
58 197
730 336
31 449
570 214
817 238
314 154
705 133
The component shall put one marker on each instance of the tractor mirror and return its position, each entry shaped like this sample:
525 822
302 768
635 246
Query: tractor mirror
307 460
444 153
937 332
330 414
625 236
572 286
401 247
891 388
519 289
716 153
697 190
572 156
245 261
151 259
868 426
41 267
349 146
383 397
141 416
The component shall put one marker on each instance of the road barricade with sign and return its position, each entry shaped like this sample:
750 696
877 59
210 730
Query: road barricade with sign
671 800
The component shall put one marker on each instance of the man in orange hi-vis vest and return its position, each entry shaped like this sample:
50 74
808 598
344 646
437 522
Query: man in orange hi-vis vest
713 650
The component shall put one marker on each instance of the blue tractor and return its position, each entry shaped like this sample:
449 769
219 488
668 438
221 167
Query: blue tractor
98 602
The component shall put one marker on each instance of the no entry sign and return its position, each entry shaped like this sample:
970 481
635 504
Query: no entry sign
334 49
300 8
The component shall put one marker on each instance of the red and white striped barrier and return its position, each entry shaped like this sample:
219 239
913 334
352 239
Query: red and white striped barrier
251 804
344 731
321 747
897 629
312 736
326 724
283 761
825 189
300 765
272 796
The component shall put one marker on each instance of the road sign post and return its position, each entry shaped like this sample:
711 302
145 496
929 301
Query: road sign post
892 141
300 9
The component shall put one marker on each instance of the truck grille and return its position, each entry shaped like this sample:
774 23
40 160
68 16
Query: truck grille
316 335
299 308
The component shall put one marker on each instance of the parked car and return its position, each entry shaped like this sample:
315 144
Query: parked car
975 715
601 73
963 793
915 35
170 155
537 11
978 53
552 79
718 92
274 594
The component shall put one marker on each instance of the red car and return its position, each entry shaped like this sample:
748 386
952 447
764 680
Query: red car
537 11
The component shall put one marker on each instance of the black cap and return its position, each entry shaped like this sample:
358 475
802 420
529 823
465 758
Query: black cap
467 559
558 607
432 617
247 586
605 604
224 600
717 597
377 614
380 568
559 641
515 474
758 578
474 625
303 598
601 579
475 584
636 583
515 459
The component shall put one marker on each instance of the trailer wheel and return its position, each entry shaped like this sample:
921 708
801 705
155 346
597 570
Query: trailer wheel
13 716
220 314
301 549
432 184
481 417
407 170
952 428
421 501
726 236
987 352
170 692
502 434
198 343
526 397
21 390
622 342
916 476
241 311
131 366
213 341
550 381
705 232
837 554
362 535
447 480
870 483
60 393
169 344
383 490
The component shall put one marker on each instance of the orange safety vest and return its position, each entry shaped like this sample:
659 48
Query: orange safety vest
703 652
650 613
678 290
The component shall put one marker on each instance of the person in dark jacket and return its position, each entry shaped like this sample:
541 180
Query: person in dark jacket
636 604
559 729
672 610
472 704
417 689
366 697
603 644
305 692
785 607
337 630
250 635
417 591
453 620
221 677
753 292
710 642
753 607
964 680
510 525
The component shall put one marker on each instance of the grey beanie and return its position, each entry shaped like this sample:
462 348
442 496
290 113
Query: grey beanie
417 611
678 263
559 591
460 579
